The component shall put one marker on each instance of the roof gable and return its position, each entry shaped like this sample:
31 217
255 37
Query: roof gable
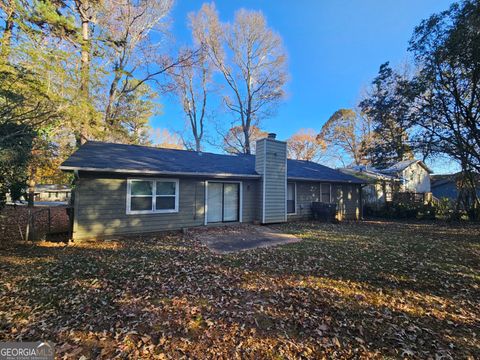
402 165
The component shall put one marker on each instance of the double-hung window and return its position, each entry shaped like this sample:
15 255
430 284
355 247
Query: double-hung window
325 193
146 196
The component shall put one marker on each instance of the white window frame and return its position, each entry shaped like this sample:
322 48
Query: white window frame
153 196
294 197
330 192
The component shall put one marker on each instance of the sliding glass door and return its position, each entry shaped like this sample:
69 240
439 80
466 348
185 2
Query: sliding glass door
215 201
223 202
230 202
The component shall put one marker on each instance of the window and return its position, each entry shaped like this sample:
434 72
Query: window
291 198
325 191
146 196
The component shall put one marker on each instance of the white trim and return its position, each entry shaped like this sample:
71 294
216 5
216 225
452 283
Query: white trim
295 192
240 200
154 172
263 179
153 196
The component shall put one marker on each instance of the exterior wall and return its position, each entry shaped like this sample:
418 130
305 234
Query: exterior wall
346 196
100 207
348 201
445 190
377 194
306 192
272 165
416 179
259 168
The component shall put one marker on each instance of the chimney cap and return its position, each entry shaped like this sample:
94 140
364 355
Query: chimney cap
272 136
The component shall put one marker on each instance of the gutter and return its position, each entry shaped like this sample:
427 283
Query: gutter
328 180
155 172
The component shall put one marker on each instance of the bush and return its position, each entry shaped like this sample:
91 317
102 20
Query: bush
402 211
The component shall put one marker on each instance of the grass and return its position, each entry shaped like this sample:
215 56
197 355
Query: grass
364 290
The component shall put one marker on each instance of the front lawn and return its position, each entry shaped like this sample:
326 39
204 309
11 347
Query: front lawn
372 289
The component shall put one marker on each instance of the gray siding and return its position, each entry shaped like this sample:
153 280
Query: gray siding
250 200
348 201
346 196
259 168
100 207
307 192
271 163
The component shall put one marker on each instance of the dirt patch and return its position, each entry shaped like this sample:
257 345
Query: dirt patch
226 239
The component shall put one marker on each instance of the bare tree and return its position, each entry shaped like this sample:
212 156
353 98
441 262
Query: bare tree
349 132
234 140
303 145
252 60
192 88
127 27
166 139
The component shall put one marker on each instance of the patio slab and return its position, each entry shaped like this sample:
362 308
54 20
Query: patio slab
227 239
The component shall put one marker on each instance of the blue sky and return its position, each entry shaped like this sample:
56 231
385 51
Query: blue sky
334 47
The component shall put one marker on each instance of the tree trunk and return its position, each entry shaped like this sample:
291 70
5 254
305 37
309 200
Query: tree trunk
85 64
246 135
31 193
111 98
83 9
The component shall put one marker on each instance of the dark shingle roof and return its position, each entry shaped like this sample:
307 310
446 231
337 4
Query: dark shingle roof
299 169
99 156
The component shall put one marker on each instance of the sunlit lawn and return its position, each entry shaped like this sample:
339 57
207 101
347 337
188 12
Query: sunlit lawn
372 289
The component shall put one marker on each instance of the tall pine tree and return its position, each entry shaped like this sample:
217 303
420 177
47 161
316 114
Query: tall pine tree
388 108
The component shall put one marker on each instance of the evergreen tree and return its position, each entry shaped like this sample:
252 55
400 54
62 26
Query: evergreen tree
388 108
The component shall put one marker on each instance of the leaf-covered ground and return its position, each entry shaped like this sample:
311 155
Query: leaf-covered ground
362 290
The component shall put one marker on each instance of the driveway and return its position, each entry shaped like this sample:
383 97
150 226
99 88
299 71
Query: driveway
226 239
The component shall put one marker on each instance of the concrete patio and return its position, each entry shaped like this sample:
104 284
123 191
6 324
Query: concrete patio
227 239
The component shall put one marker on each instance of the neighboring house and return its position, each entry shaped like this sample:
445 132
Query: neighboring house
414 175
409 176
446 186
52 192
127 189
379 187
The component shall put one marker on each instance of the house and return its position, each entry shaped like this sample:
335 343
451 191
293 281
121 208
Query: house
445 186
128 189
379 188
414 175
52 192
408 177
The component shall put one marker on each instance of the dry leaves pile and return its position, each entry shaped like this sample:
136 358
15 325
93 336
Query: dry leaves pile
14 219
362 290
